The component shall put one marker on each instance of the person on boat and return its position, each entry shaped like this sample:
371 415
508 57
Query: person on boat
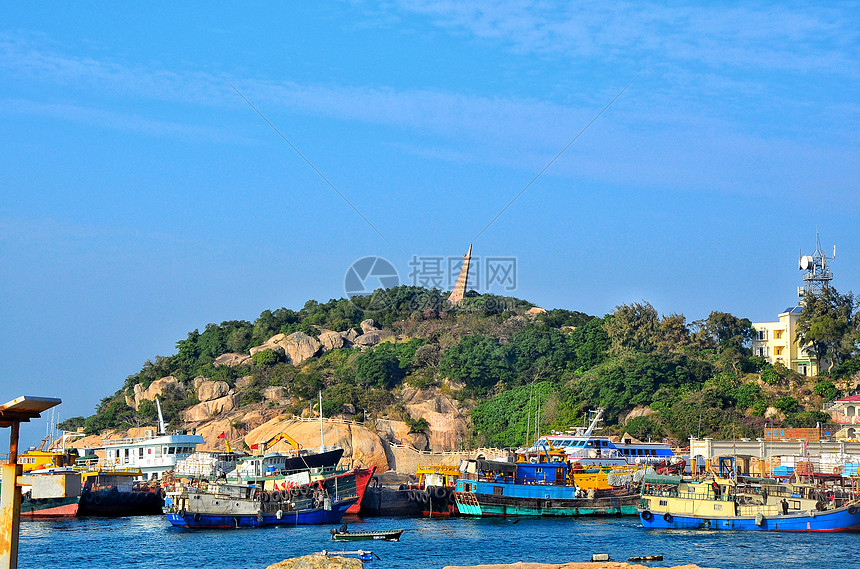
784 505
716 488
764 495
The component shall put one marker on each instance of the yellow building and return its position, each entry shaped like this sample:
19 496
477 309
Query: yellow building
775 341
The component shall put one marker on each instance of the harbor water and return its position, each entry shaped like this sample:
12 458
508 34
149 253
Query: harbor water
151 542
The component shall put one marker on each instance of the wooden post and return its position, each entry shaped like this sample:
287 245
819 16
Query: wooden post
10 504
11 414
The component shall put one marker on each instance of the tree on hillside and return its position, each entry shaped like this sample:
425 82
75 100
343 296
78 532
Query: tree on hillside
478 361
828 325
673 333
633 328
727 331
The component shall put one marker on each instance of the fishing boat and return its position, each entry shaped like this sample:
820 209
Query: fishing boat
751 504
343 534
496 488
232 505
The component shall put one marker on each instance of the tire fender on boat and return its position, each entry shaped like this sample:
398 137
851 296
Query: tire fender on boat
197 517
304 489
440 492
646 515
852 509
667 516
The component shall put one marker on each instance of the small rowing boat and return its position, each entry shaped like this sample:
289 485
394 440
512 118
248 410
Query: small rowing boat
343 534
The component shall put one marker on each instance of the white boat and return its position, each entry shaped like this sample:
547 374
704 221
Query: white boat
154 454
582 446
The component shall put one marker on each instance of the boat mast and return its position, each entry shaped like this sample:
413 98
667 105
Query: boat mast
322 441
161 428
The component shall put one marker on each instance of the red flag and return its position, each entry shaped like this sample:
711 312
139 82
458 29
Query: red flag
255 446
222 435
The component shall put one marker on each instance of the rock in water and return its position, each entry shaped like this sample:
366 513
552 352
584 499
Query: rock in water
318 561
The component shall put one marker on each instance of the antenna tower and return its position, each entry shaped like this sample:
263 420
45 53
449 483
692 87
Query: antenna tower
817 276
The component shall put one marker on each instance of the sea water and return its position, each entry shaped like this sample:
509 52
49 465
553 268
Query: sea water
150 541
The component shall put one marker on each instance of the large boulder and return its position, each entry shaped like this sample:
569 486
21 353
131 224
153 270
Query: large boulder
231 359
155 389
318 561
447 424
263 347
349 336
368 339
208 409
209 390
299 346
368 325
331 340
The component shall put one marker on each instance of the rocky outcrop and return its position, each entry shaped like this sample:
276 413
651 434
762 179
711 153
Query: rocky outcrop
535 311
210 390
447 425
299 346
361 445
232 359
318 561
208 409
331 340
368 326
155 389
275 393
372 338
638 411
244 382
349 335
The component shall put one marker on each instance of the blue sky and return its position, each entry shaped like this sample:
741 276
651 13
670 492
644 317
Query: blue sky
144 198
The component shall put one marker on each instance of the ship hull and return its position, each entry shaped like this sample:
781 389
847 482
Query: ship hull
49 507
296 517
113 503
846 519
490 505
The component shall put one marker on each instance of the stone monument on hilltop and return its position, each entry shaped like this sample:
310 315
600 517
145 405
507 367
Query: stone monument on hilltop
462 281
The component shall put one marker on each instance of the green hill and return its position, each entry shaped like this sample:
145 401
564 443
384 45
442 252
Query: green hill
506 360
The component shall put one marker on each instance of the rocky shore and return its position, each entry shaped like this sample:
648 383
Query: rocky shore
318 561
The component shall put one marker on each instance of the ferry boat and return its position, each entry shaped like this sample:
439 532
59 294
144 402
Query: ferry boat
750 504
154 454
496 488
590 450
235 505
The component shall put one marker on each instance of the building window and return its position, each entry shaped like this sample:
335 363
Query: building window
777 351
761 351
761 335
777 334
801 369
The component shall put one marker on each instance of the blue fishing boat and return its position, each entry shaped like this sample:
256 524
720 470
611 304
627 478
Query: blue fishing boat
497 488
746 504
228 505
